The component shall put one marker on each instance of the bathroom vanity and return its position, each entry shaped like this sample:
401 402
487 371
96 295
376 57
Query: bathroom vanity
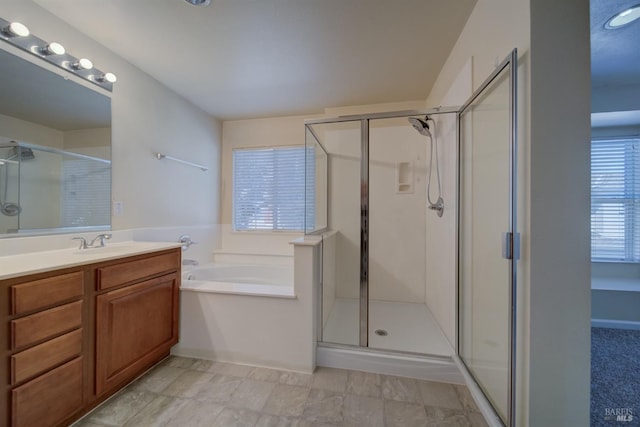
72 336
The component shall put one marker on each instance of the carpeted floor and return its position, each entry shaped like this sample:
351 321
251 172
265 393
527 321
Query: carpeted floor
615 376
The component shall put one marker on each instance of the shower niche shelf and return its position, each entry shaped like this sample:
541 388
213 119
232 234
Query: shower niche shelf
404 177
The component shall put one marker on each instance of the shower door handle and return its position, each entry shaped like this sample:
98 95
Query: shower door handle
511 245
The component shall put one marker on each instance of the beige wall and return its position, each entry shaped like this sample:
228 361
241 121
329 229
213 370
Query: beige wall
146 117
559 248
91 142
34 133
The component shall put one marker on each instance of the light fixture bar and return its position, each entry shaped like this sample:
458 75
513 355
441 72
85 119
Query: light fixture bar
18 35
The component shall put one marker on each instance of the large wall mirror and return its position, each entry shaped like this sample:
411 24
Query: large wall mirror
55 152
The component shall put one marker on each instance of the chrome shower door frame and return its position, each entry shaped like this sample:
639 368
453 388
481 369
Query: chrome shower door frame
511 241
364 234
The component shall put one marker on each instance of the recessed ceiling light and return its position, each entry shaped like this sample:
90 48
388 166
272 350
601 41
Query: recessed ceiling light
199 2
623 18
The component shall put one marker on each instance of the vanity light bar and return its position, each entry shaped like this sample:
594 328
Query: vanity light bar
18 35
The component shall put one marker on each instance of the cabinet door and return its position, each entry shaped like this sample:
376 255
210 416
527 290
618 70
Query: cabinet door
50 398
135 326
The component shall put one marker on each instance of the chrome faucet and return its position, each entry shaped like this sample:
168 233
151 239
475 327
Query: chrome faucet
83 242
186 241
189 262
100 238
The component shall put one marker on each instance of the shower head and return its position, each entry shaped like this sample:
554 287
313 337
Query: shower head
420 125
21 153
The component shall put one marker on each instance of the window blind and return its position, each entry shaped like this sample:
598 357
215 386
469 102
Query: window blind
269 189
84 184
615 200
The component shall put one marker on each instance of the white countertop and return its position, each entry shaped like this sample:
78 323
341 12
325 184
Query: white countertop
39 262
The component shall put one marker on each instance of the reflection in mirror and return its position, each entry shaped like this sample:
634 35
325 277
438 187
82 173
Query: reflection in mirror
55 149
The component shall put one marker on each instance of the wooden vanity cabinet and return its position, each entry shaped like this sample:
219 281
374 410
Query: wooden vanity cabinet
136 321
44 342
71 338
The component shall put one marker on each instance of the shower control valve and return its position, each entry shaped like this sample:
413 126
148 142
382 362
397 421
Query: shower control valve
438 206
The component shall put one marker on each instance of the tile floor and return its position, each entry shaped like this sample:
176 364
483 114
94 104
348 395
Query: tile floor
191 392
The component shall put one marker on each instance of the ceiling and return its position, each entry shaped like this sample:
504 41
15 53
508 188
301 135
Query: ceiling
259 58
615 54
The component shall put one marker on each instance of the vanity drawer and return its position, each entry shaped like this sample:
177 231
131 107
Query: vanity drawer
50 398
45 356
118 274
46 324
42 293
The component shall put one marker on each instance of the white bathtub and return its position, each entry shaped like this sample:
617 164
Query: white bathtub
240 279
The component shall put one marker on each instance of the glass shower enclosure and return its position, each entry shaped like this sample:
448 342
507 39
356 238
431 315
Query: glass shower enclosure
367 185
374 275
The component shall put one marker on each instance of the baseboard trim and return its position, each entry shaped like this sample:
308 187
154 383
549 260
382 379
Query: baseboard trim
440 369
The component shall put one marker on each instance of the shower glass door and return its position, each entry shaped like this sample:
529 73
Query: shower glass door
486 265
341 145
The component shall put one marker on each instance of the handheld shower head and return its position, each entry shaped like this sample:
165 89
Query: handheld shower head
420 125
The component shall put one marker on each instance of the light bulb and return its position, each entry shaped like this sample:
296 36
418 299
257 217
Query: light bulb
53 48
106 77
109 77
83 64
16 29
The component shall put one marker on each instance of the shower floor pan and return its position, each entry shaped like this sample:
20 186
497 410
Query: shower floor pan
409 327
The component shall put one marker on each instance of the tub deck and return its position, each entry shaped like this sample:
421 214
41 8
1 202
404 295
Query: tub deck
252 280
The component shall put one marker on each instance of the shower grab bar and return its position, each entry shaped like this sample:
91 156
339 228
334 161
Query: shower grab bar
161 156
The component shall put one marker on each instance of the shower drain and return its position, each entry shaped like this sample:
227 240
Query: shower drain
381 332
